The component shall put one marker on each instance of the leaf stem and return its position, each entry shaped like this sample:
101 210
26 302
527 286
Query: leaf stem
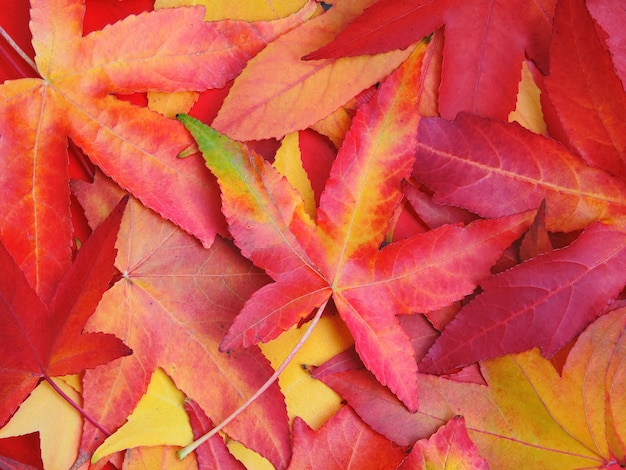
19 51
76 406
184 452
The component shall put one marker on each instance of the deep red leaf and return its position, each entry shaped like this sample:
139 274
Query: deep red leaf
42 341
611 17
586 94
483 39
543 302
213 453
494 169
21 453
345 441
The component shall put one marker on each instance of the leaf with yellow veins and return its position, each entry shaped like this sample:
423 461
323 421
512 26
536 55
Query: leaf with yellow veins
340 253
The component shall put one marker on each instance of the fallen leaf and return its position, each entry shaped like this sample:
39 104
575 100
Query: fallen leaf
163 51
213 453
158 419
45 412
465 159
343 442
519 310
449 448
157 458
172 303
278 93
590 113
21 452
483 40
340 255
248 10
50 337
610 15
528 416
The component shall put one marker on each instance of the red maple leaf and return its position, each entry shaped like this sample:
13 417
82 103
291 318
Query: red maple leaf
167 50
548 300
484 40
39 341
339 255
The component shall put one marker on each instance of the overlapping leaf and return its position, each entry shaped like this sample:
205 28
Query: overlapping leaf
340 255
278 93
465 159
345 441
172 304
39 341
529 416
449 448
169 50
483 40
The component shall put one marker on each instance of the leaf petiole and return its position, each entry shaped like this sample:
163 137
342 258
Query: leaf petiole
185 451
18 49
76 406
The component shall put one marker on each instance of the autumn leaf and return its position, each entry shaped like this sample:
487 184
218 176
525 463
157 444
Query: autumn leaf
590 108
213 453
340 255
343 442
172 303
449 448
168 50
45 411
484 41
472 156
40 341
278 93
21 452
529 416
610 17
519 309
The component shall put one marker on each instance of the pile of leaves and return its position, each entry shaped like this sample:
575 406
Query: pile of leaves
432 190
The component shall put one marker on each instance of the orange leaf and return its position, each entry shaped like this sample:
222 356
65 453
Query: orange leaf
529 416
168 50
172 304
278 93
340 255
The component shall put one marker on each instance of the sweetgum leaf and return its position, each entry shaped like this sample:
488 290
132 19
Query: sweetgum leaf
450 447
172 304
586 94
466 159
482 39
21 452
529 416
213 453
610 16
340 253
168 50
278 93
349 441
519 309
40 341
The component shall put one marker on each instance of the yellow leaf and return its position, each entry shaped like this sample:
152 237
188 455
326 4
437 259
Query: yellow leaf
59 424
160 418
171 104
248 10
306 397
528 109
288 162
158 457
